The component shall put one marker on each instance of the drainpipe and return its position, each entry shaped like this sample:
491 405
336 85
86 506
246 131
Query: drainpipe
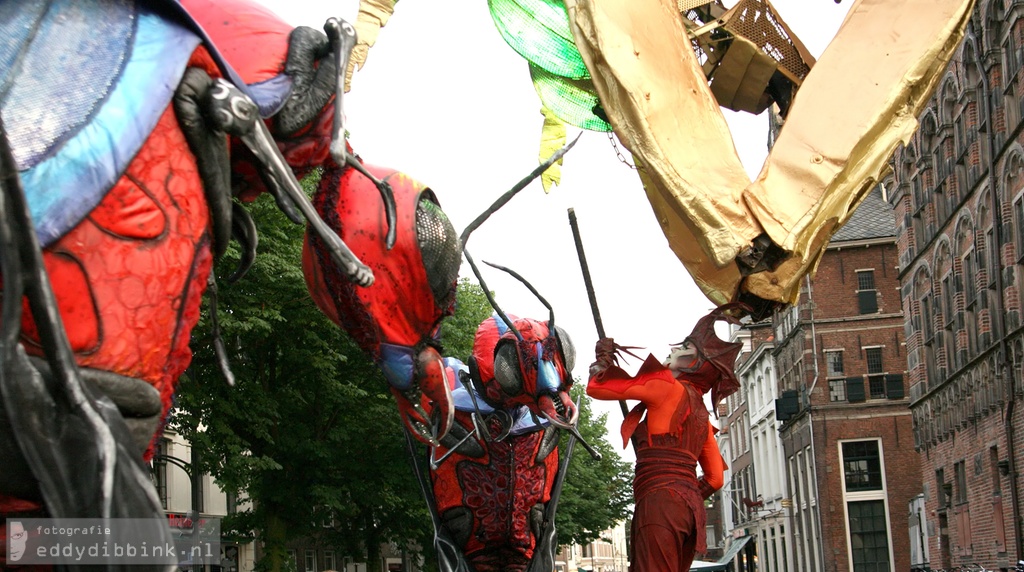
1007 373
810 417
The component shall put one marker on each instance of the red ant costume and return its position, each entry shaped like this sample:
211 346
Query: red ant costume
671 440
493 486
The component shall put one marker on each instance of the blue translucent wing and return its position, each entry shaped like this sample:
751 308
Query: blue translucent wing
83 85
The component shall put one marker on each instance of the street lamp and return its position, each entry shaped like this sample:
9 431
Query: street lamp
193 479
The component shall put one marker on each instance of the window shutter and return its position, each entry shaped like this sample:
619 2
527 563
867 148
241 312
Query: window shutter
867 301
894 386
1000 528
855 389
787 405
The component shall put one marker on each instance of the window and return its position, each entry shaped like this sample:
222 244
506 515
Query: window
862 466
834 360
874 359
866 510
970 275
960 482
836 382
1010 53
837 389
943 491
1018 223
869 537
293 559
867 296
876 381
947 301
329 563
940 199
310 561
926 319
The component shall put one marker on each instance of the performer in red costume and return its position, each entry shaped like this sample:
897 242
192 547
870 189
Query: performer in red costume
671 440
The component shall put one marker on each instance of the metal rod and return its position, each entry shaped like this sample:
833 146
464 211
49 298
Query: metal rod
591 295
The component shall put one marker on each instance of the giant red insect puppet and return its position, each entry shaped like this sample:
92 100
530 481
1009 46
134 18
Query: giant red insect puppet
116 197
518 374
495 479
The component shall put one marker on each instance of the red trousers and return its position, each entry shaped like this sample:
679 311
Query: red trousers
664 534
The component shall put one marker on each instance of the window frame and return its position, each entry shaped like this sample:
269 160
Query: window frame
880 494
867 298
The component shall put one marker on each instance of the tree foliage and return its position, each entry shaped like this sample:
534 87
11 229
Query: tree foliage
597 494
458 330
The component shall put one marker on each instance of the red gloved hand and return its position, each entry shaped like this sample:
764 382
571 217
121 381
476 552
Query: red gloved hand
705 488
604 356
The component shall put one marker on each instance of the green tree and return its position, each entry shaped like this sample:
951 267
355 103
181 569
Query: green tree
309 432
596 494
458 330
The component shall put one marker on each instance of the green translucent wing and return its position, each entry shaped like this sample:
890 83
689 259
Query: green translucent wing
573 101
539 31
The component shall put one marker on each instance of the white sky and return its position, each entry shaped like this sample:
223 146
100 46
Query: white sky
444 99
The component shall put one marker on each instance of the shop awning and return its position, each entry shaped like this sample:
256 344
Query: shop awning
708 566
734 549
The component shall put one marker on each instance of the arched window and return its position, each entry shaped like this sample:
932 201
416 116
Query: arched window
1013 183
1018 368
973 85
924 326
966 269
947 306
992 389
993 30
947 101
929 131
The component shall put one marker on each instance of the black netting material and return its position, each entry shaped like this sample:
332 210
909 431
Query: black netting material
439 247
506 369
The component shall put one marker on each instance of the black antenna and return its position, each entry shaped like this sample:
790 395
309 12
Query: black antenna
500 202
507 196
487 292
514 274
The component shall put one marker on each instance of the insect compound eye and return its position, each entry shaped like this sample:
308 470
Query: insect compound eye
506 369
568 350
439 246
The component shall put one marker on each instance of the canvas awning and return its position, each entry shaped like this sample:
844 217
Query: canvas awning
734 549
704 566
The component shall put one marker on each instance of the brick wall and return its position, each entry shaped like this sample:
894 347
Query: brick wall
959 408
891 424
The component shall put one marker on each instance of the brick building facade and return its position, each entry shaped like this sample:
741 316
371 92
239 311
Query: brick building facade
958 195
847 432
842 409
